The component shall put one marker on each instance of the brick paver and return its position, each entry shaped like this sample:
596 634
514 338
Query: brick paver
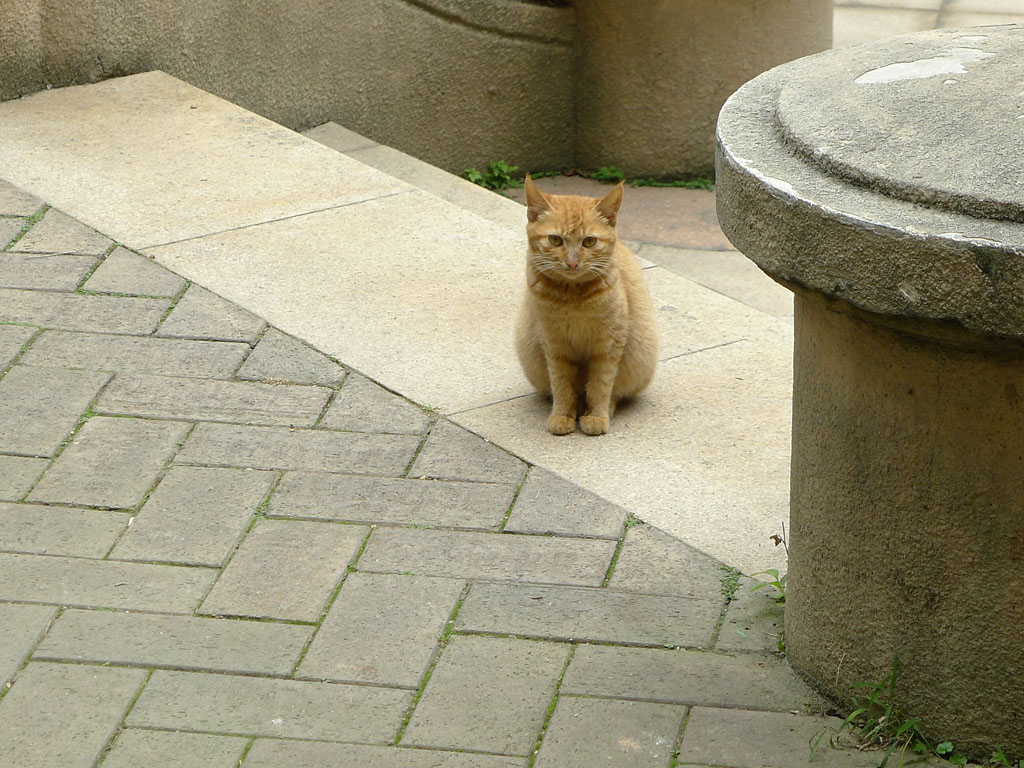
687 677
232 445
753 621
40 406
17 474
103 583
285 570
466 554
273 753
44 530
279 357
12 337
179 642
53 271
362 406
110 462
81 312
618 734
348 579
588 615
9 229
246 402
63 714
195 701
744 739
138 354
200 314
17 202
135 748
452 453
488 694
653 561
126 272
549 504
196 516
382 628
59 233
358 498
21 627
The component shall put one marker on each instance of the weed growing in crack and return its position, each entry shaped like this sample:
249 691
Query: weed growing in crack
497 176
730 583
880 722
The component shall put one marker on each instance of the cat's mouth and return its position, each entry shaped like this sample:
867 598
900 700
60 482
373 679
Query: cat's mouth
576 272
564 271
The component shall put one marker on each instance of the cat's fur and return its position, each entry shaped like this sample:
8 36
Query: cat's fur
586 332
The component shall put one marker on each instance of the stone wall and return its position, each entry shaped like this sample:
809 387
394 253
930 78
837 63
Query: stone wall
457 83
454 82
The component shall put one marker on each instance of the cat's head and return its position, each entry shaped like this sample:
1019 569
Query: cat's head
571 238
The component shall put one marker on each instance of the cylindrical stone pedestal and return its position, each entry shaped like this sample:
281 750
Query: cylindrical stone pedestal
882 183
652 75
907 531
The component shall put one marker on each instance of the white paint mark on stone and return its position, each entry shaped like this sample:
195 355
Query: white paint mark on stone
949 82
970 38
784 187
960 237
909 292
950 62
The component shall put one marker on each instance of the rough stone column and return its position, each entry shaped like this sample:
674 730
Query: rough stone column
654 74
882 183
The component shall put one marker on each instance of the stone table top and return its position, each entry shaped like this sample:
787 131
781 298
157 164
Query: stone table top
888 175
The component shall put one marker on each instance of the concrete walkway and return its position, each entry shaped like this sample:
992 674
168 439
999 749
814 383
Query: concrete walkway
220 546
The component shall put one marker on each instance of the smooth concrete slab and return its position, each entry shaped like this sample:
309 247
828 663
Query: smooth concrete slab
692 318
409 290
726 272
703 454
150 159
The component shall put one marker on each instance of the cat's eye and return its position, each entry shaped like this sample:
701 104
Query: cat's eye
589 241
554 239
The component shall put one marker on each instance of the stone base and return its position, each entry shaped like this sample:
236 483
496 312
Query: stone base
907 537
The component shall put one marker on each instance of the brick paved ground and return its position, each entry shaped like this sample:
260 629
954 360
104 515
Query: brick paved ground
218 547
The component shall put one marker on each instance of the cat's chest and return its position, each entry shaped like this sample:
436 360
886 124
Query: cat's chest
581 327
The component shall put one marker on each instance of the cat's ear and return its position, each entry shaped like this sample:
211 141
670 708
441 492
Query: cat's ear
608 206
536 202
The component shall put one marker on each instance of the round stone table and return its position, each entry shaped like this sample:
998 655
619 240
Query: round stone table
884 185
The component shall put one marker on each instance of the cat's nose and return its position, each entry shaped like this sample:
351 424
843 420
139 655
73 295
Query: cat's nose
573 259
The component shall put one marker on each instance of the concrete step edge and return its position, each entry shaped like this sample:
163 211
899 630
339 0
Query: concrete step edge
453 189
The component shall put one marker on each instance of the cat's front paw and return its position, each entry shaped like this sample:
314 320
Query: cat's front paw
560 424
593 424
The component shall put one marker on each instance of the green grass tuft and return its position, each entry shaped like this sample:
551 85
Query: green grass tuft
498 176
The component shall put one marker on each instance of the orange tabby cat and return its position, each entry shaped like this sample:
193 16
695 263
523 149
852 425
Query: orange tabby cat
586 332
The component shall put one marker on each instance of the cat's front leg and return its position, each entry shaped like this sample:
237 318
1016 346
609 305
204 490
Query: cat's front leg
562 373
602 371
